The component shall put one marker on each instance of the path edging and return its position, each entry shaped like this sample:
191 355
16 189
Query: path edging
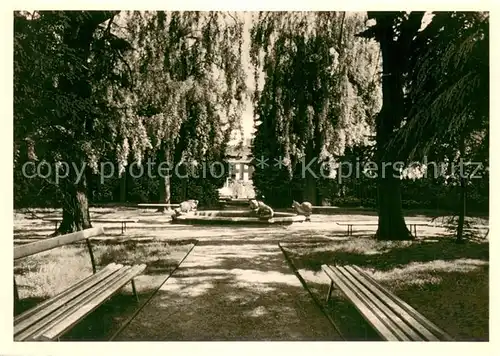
304 284
153 294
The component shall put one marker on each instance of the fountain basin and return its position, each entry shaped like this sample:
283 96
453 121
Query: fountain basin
237 217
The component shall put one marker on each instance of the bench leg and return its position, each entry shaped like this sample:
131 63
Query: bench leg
134 290
91 254
122 228
365 328
330 289
16 295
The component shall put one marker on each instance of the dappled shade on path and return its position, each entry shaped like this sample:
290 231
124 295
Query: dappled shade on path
231 292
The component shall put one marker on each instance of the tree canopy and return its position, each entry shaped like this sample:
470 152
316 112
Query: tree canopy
320 92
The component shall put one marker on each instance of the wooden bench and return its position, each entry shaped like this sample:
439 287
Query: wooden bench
158 205
392 318
123 222
52 318
411 225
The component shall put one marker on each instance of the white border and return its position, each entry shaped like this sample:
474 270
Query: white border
8 347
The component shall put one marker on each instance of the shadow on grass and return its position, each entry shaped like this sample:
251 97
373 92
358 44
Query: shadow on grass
26 304
102 323
385 255
446 282
31 230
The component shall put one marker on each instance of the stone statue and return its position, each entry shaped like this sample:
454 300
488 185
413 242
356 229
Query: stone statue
186 207
303 209
260 209
254 205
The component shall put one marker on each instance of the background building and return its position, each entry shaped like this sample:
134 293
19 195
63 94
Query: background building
239 179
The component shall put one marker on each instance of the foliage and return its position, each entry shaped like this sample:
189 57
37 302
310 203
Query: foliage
189 84
54 119
448 84
148 82
319 96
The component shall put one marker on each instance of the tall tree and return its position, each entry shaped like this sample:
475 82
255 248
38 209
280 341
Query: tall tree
448 96
190 85
395 32
319 96
59 111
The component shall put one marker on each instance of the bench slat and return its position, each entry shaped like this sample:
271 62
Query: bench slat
410 310
373 305
115 220
73 305
357 224
64 296
370 316
51 243
393 305
27 327
59 326
98 220
158 205
400 327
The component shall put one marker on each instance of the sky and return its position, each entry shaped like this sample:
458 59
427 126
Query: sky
247 118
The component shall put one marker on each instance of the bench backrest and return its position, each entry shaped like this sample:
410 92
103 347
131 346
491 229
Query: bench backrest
115 220
50 243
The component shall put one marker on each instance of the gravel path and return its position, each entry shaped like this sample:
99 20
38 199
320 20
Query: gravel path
228 291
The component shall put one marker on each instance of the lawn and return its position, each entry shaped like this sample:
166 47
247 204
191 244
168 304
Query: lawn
446 282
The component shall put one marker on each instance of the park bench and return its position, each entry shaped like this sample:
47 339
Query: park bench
391 317
50 319
123 222
154 205
411 225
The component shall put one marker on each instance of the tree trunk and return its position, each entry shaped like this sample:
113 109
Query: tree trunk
78 35
123 187
164 182
76 215
463 196
164 190
461 216
391 224
184 188
311 177
310 189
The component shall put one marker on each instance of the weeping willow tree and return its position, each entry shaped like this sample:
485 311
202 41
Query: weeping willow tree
62 62
319 95
448 97
119 86
189 90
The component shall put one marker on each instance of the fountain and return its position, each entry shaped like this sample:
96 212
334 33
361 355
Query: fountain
256 213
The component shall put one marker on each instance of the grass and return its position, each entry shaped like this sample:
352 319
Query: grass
446 282
46 274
